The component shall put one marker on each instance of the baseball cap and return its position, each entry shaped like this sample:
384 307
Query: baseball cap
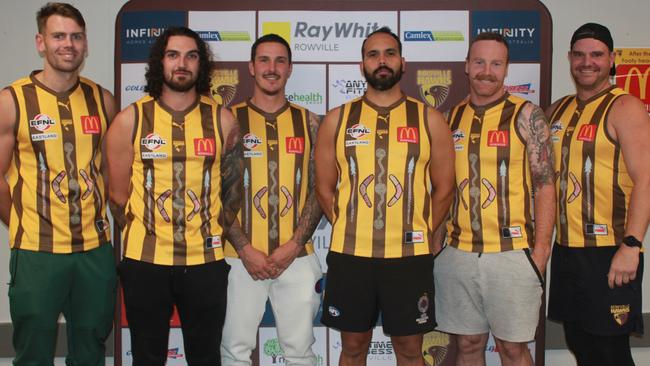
595 31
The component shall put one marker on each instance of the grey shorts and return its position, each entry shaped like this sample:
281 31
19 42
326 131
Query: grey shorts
491 292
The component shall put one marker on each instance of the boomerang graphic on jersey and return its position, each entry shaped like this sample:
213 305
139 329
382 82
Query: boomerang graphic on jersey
56 186
492 193
363 187
195 202
289 198
461 188
257 201
160 203
398 190
89 183
577 188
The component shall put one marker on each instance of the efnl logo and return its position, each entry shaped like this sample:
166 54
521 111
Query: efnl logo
282 29
139 30
520 28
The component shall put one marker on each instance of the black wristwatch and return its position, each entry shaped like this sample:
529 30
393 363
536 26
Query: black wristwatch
632 242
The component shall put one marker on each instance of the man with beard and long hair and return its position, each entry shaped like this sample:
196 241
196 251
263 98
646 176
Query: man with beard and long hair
175 174
489 277
52 198
393 185
600 135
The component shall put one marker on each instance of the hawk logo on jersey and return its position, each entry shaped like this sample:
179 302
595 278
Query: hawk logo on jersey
620 313
497 138
587 133
204 146
91 125
408 134
295 145
42 122
153 141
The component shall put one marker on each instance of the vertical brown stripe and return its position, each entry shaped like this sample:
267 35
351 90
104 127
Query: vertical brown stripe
506 122
413 118
353 175
42 174
247 203
69 146
426 205
300 130
273 193
474 185
619 211
95 175
208 132
456 118
147 126
589 172
379 219
17 193
564 169
179 187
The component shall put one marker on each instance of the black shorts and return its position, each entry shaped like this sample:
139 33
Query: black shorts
579 292
358 288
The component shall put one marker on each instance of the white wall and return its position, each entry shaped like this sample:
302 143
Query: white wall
627 20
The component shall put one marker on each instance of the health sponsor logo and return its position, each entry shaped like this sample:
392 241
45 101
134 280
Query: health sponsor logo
408 134
224 36
204 147
587 133
91 125
350 88
223 85
42 122
635 79
305 98
497 138
433 36
434 86
520 89
521 29
139 30
307 36
435 348
295 145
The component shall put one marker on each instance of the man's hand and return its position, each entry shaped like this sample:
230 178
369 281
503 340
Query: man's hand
283 256
540 255
256 263
623 268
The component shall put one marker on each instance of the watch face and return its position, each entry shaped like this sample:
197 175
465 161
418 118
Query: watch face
631 241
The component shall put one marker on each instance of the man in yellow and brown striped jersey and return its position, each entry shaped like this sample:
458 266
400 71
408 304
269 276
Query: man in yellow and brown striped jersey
600 136
175 172
489 277
384 168
269 247
52 198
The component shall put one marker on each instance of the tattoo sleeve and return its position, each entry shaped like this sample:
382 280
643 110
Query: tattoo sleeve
231 177
537 133
311 212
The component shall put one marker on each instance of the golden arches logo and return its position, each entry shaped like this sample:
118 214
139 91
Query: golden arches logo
641 77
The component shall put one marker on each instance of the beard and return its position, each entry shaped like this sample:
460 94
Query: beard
383 83
181 85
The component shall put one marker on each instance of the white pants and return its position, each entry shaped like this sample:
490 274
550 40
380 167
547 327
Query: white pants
294 301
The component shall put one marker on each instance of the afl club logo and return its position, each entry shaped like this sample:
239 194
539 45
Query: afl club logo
357 131
42 122
251 141
458 135
153 141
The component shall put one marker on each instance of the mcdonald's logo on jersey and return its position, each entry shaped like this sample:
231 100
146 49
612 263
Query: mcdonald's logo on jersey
408 134
204 147
91 124
587 133
497 138
295 145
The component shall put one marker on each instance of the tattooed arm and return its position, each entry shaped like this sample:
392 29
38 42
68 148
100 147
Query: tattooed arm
119 161
309 217
7 143
534 128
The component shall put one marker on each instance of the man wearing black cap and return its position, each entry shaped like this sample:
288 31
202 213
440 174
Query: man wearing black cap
603 207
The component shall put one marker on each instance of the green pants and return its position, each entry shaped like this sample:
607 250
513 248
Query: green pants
43 285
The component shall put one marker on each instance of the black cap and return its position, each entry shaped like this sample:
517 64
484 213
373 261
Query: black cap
595 31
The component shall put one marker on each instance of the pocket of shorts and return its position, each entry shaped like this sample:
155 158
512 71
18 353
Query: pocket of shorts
13 267
532 264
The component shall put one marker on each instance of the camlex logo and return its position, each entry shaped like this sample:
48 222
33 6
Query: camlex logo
224 36
433 36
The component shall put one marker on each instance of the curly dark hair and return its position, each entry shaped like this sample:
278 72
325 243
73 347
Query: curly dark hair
155 75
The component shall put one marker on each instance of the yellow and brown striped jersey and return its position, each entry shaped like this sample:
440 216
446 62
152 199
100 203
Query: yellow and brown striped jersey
277 148
57 190
594 185
174 207
382 203
491 211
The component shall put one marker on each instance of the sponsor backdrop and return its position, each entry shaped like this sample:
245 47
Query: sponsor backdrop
326 45
633 71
